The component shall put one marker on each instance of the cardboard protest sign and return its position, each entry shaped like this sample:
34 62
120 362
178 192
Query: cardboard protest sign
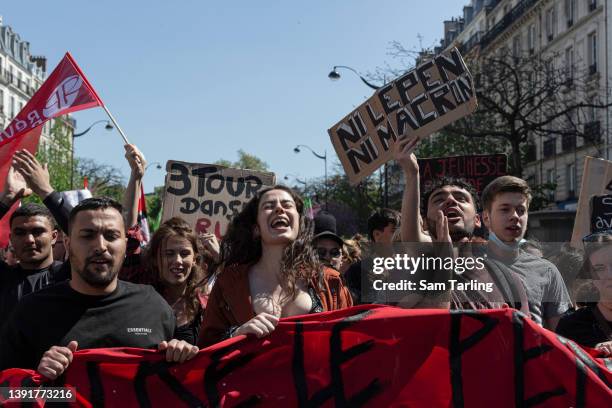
478 170
209 195
417 104
601 213
596 181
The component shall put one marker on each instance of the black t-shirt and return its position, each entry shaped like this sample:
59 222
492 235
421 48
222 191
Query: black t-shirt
131 316
16 282
582 327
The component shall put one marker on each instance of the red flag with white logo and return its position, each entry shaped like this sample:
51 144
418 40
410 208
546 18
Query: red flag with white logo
142 217
65 90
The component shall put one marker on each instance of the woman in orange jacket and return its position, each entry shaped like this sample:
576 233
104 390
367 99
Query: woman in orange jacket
270 270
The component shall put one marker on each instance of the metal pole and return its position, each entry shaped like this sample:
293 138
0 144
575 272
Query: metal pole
116 124
386 188
326 186
72 163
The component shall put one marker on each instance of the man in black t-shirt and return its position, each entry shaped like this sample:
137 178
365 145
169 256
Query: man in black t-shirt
94 309
32 232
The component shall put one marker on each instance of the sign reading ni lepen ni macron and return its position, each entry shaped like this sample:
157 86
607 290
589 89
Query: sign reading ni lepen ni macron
416 104
208 196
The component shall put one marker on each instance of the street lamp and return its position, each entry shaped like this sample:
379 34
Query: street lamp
334 75
109 126
296 179
323 157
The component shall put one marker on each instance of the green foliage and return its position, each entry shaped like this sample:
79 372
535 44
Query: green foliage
154 207
56 154
245 161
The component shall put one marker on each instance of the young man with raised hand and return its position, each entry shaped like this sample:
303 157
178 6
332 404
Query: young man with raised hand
505 213
449 215
93 309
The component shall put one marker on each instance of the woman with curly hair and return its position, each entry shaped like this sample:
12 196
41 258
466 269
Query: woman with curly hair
175 258
270 270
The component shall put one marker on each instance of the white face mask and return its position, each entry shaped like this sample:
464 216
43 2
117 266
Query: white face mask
508 247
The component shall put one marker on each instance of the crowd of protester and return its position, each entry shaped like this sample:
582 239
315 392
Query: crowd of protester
81 277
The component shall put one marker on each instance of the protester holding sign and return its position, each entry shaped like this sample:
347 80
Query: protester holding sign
270 270
591 326
450 215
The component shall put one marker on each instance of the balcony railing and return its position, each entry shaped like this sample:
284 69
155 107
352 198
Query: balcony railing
513 15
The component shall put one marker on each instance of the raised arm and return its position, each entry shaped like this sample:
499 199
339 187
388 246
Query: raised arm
132 194
37 177
15 188
411 226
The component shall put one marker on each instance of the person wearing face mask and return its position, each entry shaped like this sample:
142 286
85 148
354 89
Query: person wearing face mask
269 270
174 258
591 326
326 242
447 213
505 213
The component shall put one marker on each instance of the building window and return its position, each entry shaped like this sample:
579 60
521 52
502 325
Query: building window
569 66
516 47
592 53
571 180
570 12
551 23
12 106
550 148
551 179
531 38
592 5
1 102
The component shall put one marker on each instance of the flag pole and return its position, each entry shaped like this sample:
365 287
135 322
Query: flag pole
116 124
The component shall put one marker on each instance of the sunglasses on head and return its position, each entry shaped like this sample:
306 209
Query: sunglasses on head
333 253
596 236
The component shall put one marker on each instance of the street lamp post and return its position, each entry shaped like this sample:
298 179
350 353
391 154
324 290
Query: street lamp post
297 180
334 75
323 157
108 126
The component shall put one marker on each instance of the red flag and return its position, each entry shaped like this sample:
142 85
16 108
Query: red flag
142 216
65 90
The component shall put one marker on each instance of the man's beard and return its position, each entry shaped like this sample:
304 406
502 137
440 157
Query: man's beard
456 233
97 279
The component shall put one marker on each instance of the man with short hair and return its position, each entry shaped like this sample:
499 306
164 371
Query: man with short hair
94 309
32 234
382 225
449 211
505 212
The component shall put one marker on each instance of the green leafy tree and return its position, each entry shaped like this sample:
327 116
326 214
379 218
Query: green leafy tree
245 161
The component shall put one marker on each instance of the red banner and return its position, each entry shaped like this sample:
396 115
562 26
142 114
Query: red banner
65 90
363 356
